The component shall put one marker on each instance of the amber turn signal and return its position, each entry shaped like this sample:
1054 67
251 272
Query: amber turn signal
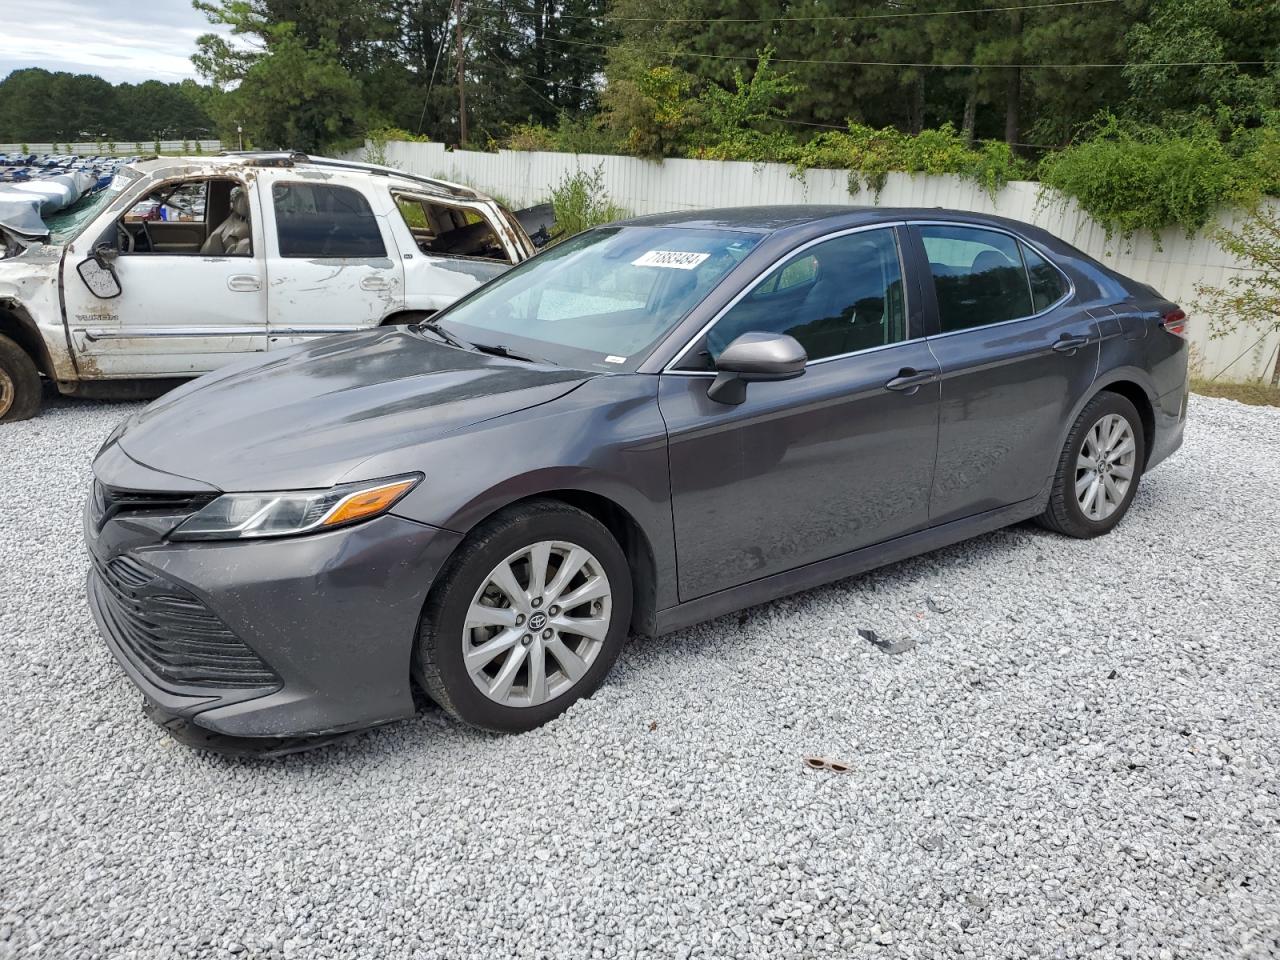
367 503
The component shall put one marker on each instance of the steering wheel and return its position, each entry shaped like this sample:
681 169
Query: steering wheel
146 233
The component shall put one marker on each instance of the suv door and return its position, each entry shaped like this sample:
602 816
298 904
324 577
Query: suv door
806 469
332 264
180 311
449 247
1015 354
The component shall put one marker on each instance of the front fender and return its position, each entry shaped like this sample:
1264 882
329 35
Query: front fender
606 438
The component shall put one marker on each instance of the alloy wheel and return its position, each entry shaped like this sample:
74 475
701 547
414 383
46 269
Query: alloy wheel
537 623
1105 466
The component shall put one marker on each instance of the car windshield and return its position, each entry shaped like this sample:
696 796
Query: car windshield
602 299
65 225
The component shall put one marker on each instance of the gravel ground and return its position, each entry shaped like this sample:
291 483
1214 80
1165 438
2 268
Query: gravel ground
1079 757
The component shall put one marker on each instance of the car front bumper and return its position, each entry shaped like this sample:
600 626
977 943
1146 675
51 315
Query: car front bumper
294 637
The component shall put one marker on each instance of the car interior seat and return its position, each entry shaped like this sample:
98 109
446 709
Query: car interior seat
232 237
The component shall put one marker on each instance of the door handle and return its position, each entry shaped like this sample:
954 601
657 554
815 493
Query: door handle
909 380
375 283
244 283
1069 344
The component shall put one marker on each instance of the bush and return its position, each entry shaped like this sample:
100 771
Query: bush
870 155
580 201
377 138
1131 179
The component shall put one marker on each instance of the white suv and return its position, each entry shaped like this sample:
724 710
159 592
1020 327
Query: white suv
184 264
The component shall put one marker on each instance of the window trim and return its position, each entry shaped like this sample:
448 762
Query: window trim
1071 287
767 271
275 221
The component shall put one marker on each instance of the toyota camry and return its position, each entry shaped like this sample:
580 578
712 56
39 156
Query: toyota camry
650 424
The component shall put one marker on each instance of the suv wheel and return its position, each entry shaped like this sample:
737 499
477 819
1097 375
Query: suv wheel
19 383
528 617
1099 469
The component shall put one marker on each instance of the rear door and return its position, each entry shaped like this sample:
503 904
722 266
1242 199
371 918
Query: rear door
1015 354
332 263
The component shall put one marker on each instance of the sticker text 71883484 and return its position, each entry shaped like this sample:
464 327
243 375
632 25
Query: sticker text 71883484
671 259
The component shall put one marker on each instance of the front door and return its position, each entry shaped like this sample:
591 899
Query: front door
837 459
332 264
180 311
1015 356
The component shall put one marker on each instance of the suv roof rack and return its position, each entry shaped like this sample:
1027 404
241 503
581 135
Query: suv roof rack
440 186
269 158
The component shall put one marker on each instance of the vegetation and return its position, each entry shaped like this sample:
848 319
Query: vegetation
1255 393
37 106
1151 113
580 201
1251 299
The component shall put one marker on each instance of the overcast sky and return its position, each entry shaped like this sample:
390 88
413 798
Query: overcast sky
120 40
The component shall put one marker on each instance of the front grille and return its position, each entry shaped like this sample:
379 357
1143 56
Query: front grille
172 634
111 502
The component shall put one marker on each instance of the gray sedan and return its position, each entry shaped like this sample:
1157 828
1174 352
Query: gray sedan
651 424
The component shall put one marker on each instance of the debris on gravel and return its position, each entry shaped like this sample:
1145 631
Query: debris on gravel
1080 758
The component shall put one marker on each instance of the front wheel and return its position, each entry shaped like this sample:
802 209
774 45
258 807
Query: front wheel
19 383
527 619
1098 471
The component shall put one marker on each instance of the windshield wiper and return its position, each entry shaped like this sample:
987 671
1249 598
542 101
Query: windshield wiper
502 350
445 335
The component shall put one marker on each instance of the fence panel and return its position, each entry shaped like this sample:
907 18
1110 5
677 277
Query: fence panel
1174 264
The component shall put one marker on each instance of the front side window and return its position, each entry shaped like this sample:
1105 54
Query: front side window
978 275
839 296
602 299
320 220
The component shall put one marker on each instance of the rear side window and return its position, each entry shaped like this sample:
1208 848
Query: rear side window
319 220
1047 285
978 275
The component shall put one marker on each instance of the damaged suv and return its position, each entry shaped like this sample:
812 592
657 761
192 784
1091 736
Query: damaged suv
182 265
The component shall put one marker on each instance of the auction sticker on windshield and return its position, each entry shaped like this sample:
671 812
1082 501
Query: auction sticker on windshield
672 259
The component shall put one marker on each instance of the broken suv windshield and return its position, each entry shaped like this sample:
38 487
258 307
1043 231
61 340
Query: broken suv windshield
65 225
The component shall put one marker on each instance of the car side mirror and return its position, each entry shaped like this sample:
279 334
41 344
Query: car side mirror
755 356
98 272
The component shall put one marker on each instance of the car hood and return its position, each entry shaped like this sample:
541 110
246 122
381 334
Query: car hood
309 416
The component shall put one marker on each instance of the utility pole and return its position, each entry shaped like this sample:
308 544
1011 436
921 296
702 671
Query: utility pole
462 73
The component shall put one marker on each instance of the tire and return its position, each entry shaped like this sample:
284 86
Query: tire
1088 463
574 665
19 383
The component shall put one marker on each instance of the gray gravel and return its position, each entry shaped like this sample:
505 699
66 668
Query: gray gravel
1079 757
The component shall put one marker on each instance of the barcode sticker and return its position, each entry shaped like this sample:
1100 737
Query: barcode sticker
671 259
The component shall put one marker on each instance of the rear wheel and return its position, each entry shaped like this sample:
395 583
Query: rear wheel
19 383
527 619
1099 469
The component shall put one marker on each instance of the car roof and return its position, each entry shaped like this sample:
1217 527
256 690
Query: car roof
786 218
302 163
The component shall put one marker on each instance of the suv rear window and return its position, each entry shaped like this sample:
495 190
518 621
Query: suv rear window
319 220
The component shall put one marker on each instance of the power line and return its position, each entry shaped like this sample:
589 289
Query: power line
817 19
924 65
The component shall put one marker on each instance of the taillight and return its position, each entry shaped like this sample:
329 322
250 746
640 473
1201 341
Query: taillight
1175 321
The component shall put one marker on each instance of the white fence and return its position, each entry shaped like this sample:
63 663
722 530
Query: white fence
115 148
1173 266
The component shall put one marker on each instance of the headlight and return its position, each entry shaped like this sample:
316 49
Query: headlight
238 516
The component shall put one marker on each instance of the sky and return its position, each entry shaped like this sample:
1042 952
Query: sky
119 40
